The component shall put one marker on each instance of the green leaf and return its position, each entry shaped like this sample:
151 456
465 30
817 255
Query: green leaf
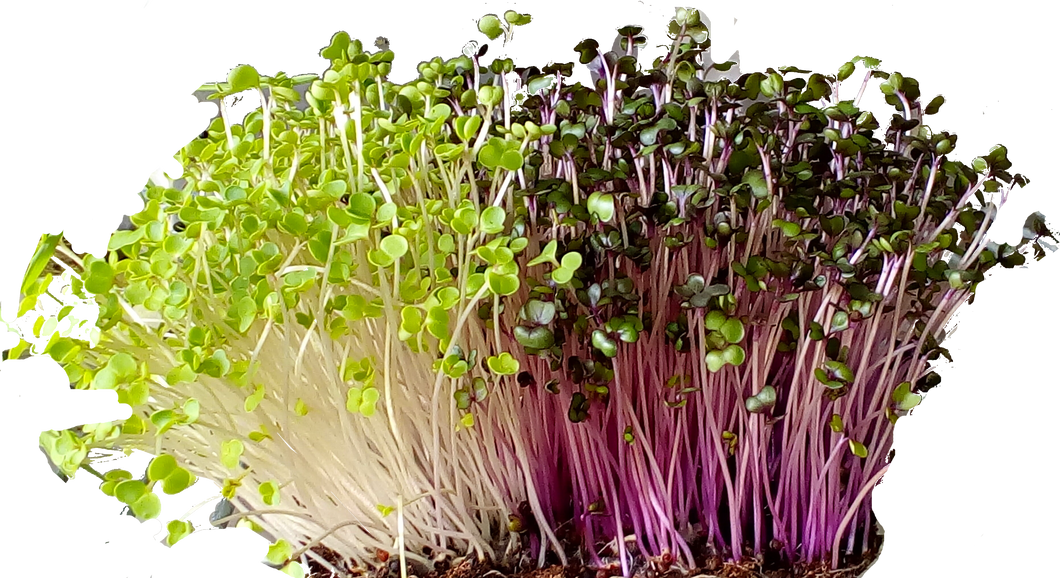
490 25
479 389
539 312
395 246
147 507
161 467
438 322
164 419
732 330
504 364
123 367
462 398
490 154
447 297
243 77
39 261
245 311
295 223
467 126
361 207
511 160
177 482
904 398
604 343
231 451
411 322
686 17
491 221
548 255
270 493
789 229
464 220
601 205
129 491
99 278
178 529
502 284
539 83
182 373
714 320
516 245
122 239
734 355
715 361
468 420
698 294
369 397
839 371
279 552
571 261
385 214
836 423
757 181
840 321
858 449
762 401
823 377
562 275
191 407
534 338
454 366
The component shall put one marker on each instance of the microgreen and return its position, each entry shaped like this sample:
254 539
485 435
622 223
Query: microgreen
732 278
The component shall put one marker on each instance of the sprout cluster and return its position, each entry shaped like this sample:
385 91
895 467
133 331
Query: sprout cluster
444 316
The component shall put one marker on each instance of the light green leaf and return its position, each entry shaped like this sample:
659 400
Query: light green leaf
602 205
502 284
511 160
129 491
548 255
732 329
468 420
490 25
491 221
385 214
715 361
571 261
858 449
503 364
836 423
243 77
395 246
562 275
904 398
231 451
734 355
39 261
122 239
714 320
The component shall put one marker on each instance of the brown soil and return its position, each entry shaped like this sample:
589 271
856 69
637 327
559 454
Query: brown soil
709 565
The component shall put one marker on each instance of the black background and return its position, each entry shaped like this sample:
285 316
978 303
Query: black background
100 97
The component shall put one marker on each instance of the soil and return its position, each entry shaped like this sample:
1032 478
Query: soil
709 565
